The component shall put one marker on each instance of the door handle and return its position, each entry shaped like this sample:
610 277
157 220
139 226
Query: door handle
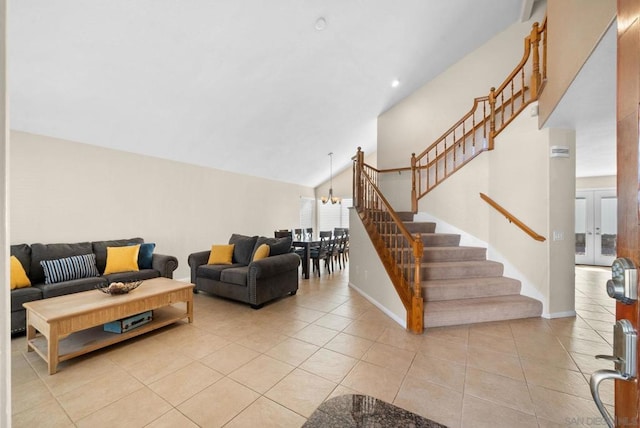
594 384
625 344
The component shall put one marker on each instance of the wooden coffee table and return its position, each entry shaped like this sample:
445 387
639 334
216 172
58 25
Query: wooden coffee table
72 325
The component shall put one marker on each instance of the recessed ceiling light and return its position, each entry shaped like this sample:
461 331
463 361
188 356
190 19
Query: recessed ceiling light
395 83
321 24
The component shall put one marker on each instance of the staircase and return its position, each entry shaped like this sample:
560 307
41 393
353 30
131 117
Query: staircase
439 282
459 284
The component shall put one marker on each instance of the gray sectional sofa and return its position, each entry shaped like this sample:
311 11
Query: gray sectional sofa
30 257
254 282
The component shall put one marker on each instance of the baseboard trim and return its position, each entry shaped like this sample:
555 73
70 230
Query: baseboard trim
375 303
565 314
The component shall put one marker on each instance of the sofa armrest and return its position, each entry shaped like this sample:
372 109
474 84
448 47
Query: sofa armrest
164 264
195 260
274 265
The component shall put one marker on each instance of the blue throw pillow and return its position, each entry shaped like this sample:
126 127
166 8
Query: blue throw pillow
145 255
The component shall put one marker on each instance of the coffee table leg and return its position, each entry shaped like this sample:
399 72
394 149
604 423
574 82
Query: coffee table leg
31 334
190 310
52 350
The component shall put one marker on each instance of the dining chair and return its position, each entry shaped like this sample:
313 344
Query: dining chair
308 232
325 234
339 251
344 251
332 254
319 253
282 234
297 234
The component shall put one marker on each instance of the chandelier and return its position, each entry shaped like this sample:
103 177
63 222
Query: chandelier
333 199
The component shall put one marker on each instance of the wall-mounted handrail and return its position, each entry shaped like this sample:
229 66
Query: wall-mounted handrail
512 219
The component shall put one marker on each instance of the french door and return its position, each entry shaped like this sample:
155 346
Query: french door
596 227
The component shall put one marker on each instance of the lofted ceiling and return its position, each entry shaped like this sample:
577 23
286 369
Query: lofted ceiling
265 88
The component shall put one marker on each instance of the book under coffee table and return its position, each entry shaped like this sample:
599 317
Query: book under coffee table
72 325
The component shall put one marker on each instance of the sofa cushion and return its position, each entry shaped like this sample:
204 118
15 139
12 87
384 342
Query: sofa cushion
18 278
243 250
74 286
22 253
237 275
68 268
40 252
213 271
221 255
99 248
139 275
277 246
122 259
24 295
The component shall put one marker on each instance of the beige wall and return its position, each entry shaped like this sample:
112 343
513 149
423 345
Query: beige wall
562 191
368 275
574 29
63 191
418 120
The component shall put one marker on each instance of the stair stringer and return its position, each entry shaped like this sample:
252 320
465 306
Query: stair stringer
466 239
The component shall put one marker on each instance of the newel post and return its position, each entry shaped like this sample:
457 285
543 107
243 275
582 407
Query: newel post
492 117
414 196
535 53
358 179
415 320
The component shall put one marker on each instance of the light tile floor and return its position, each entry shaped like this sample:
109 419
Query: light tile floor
237 367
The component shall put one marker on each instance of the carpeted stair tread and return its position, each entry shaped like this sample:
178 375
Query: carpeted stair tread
420 226
440 239
445 254
469 288
464 269
405 215
484 309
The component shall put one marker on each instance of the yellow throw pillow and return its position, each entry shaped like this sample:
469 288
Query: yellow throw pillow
19 278
261 253
221 254
122 259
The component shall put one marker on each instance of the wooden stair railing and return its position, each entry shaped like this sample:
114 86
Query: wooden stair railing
475 132
399 251
512 219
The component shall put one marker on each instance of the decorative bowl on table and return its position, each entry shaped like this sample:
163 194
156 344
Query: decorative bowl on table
119 287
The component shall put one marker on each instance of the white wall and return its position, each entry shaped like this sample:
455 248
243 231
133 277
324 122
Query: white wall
5 301
63 191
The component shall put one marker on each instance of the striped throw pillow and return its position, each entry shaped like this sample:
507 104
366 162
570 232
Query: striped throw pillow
68 268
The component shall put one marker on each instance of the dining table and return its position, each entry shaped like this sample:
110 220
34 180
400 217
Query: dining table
305 244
